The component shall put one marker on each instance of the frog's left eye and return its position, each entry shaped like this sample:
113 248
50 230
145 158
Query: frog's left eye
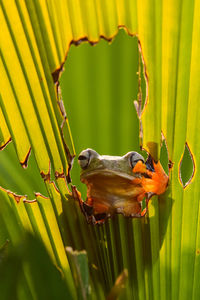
134 158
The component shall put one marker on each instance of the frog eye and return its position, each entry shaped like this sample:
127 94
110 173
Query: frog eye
84 159
134 158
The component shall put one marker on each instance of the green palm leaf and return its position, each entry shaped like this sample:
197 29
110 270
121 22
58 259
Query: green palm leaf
161 251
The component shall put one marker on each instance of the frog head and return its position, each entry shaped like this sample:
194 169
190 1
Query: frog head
119 184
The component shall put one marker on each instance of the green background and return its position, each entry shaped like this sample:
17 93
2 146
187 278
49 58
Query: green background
98 86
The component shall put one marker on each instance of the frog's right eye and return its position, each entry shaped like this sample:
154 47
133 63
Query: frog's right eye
84 159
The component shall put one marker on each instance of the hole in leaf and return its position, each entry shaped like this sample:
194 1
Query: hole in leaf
98 87
16 179
186 167
164 160
142 82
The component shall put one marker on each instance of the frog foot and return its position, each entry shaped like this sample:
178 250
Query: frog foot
100 218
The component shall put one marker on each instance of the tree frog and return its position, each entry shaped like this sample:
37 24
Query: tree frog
119 184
